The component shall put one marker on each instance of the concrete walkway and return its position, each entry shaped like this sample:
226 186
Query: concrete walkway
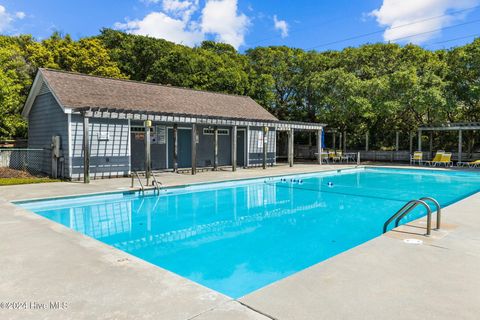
385 278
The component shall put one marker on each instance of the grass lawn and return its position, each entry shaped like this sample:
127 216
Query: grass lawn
12 181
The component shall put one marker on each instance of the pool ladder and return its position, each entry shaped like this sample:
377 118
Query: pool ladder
412 204
155 183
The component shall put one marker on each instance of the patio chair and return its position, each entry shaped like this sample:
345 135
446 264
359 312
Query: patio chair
445 159
471 164
437 158
344 157
417 157
334 156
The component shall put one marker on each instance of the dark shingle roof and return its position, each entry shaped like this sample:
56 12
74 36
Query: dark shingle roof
74 90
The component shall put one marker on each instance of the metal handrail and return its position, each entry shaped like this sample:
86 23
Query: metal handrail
156 183
439 212
412 204
439 209
139 181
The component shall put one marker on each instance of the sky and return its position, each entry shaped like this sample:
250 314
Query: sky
308 24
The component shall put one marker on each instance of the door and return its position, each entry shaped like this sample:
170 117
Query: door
184 148
241 134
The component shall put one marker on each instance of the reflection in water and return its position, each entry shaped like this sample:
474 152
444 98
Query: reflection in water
236 238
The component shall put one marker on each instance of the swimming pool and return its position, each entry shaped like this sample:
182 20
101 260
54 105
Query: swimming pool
236 237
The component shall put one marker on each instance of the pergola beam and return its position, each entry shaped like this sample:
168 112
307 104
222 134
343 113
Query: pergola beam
114 113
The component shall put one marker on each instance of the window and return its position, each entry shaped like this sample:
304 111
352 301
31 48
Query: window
221 132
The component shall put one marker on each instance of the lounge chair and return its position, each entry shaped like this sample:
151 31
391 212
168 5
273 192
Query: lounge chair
417 157
471 164
437 158
340 157
446 159
332 155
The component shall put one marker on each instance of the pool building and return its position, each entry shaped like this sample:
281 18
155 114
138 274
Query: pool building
96 127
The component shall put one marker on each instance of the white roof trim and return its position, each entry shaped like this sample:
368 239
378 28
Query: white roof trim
34 90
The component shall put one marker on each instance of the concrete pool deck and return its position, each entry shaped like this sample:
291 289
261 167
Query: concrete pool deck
45 262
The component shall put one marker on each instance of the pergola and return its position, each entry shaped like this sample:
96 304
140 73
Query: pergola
111 113
460 127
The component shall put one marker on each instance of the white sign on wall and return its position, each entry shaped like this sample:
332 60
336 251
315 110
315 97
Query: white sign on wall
260 140
161 135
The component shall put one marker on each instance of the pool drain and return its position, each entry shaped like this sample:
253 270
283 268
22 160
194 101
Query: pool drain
413 241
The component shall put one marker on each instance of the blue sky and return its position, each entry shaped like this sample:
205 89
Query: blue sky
305 24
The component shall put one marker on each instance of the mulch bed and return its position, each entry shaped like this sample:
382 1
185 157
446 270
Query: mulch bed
12 173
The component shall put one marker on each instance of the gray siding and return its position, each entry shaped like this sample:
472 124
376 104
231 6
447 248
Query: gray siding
158 151
109 158
255 146
47 119
205 148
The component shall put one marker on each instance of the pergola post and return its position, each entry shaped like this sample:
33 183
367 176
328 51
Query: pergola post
460 142
366 141
397 140
194 148
419 140
215 148
319 146
265 147
148 157
344 141
86 149
175 147
340 143
234 148
290 147
334 141
411 142
431 141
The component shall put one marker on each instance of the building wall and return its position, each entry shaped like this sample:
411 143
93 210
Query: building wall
205 148
109 157
157 149
255 146
47 119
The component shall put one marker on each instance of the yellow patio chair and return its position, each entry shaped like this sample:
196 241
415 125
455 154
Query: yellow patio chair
437 158
474 164
471 164
417 157
446 159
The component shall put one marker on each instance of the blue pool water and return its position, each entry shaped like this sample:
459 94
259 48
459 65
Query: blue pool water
236 237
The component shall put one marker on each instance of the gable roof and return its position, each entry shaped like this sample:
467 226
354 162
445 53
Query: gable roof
75 90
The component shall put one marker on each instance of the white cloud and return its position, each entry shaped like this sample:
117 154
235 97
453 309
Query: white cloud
281 25
7 18
394 14
20 15
179 8
220 17
176 22
160 25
